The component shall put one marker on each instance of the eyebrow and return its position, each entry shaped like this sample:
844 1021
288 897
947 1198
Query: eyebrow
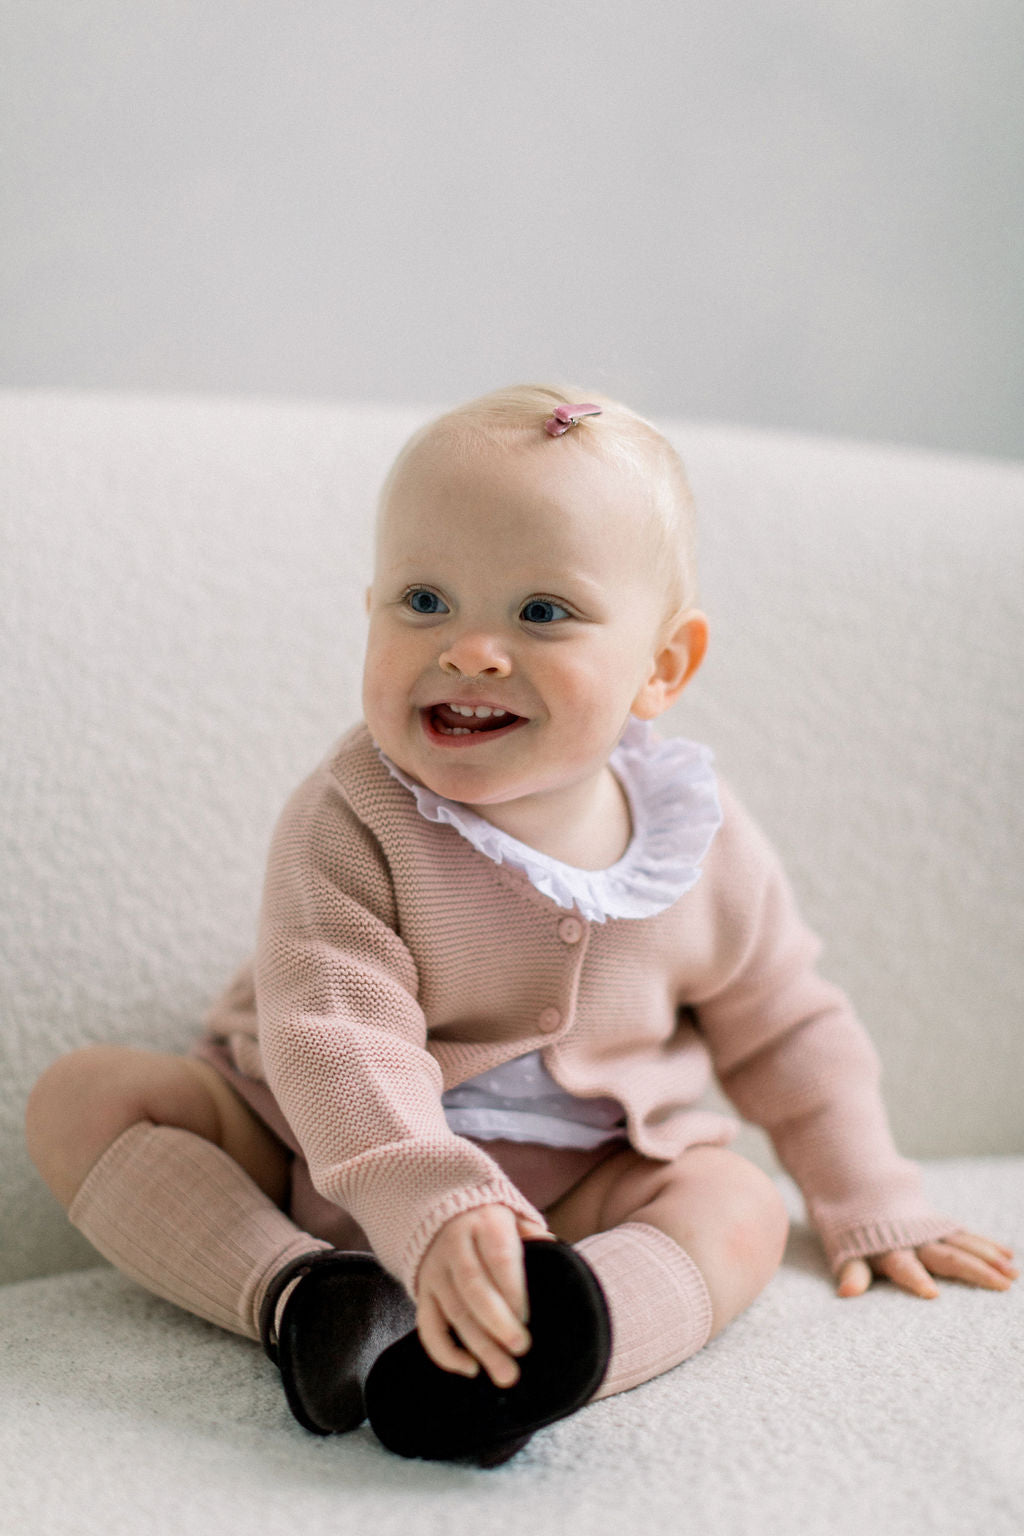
408 567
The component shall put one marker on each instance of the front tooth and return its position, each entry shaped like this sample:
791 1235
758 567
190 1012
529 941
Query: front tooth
482 711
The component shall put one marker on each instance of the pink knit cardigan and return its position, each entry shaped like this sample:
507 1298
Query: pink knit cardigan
394 961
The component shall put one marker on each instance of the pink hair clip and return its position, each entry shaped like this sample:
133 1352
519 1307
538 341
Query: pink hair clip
567 416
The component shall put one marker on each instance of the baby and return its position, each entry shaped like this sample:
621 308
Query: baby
441 1146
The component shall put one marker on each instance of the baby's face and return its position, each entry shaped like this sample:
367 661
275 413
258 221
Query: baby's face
520 585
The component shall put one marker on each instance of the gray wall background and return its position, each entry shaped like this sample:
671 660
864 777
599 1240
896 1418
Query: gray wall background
796 213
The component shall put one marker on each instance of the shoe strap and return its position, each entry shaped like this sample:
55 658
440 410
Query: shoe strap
297 1269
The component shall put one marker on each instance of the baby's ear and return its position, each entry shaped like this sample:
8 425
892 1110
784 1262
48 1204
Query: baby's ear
683 644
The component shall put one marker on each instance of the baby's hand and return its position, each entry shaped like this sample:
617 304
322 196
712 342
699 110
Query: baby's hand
472 1280
960 1256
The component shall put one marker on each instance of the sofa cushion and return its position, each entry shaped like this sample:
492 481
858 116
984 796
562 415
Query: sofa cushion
809 1414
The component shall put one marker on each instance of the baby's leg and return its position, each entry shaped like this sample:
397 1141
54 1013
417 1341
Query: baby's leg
681 1248
169 1175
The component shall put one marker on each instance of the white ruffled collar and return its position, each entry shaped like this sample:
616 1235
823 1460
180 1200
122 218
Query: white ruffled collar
673 800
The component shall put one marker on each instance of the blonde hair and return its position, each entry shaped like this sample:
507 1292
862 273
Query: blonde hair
507 417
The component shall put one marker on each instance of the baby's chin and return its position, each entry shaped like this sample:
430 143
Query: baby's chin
451 780
477 786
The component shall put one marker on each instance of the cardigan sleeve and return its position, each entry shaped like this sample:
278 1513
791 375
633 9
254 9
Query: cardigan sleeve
794 1058
344 1040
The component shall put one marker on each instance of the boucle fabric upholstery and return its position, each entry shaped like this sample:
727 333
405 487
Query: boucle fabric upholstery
808 1416
181 612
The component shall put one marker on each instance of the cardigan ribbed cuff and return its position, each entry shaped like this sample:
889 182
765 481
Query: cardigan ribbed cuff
498 1192
869 1238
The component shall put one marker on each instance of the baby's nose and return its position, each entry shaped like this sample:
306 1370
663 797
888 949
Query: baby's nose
476 655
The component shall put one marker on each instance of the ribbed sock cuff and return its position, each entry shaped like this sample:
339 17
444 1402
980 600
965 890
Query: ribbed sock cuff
659 1303
179 1216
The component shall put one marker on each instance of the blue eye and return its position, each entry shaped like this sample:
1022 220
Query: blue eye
421 600
539 610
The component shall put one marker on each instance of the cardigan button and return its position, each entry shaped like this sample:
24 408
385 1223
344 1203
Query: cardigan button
549 1020
570 930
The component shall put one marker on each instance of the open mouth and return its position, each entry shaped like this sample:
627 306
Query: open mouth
443 723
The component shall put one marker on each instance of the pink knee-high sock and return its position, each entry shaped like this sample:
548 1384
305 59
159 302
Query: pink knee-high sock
180 1216
659 1304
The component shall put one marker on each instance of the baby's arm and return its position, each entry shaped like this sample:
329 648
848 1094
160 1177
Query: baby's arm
793 1056
343 1038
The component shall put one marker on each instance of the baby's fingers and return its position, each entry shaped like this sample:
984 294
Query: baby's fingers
905 1269
432 1326
497 1362
1000 1257
476 1312
854 1278
442 1321
956 1262
500 1251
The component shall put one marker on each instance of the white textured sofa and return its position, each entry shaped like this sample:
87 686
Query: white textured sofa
182 619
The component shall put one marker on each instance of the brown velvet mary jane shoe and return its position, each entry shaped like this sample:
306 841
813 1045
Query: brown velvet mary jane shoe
343 1312
417 1409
